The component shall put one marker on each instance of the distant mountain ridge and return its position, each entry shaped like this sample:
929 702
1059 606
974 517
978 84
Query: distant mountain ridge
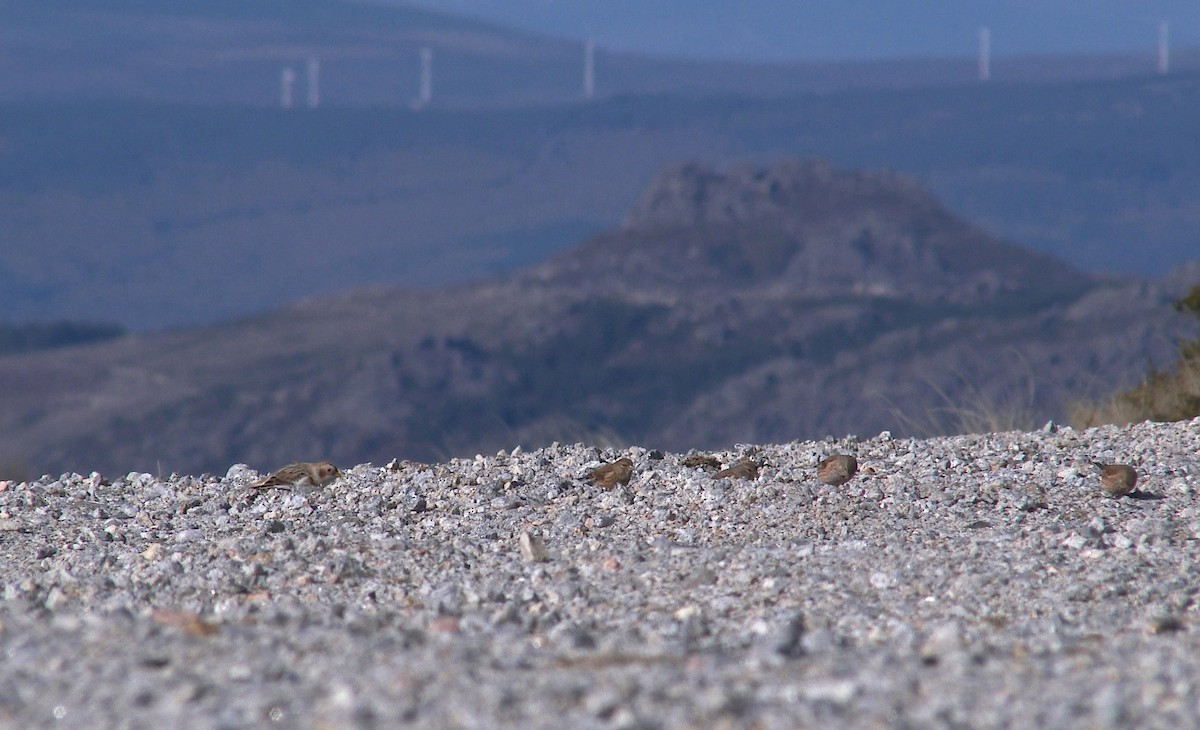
231 52
233 205
695 193
771 30
668 333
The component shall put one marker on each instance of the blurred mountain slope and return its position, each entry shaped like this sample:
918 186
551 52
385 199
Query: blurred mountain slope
740 305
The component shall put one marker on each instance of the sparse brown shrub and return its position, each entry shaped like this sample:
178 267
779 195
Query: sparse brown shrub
1170 395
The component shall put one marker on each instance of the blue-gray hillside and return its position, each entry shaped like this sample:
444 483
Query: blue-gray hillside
746 305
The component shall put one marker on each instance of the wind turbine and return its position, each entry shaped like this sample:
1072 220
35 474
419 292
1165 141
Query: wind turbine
1164 49
314 81
589 69
287 81
985 53
425 94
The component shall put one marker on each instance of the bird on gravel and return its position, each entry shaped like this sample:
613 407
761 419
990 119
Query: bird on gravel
301 473
1117 480
610 475
743 469
837 469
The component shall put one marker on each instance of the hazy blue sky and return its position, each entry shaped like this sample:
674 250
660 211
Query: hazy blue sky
846 29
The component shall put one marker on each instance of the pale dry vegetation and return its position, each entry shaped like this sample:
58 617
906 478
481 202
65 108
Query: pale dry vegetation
974 411
1170 395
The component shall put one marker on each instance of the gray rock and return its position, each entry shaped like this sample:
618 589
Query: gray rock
698 605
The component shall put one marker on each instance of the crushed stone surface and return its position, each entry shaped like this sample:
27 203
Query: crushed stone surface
969 581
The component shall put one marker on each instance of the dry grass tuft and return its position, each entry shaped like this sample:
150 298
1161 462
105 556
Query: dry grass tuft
975 411
1164 396
1173 395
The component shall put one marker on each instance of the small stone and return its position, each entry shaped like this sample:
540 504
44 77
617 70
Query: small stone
881 580
1032 498
188 622
533 548
836 691
1067 474
55 598
1075 541
1110 708
944 640
602 703
238 472
788 640
1165 624
573 637
1079 593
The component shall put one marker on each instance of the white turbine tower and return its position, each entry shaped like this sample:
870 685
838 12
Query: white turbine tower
589 69
985 53
1164 48
314 82
425 93
287 81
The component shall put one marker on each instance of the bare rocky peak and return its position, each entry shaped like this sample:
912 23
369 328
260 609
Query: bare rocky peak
804 228
694 193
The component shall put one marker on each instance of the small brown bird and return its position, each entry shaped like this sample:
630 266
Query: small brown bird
302 473
836 470
743 469
1117 480
610 475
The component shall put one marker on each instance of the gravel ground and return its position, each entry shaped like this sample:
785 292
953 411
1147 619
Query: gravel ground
973 581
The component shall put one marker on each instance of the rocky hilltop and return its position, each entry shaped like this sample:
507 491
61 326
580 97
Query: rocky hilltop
808 229
694 193
747 305
235 204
